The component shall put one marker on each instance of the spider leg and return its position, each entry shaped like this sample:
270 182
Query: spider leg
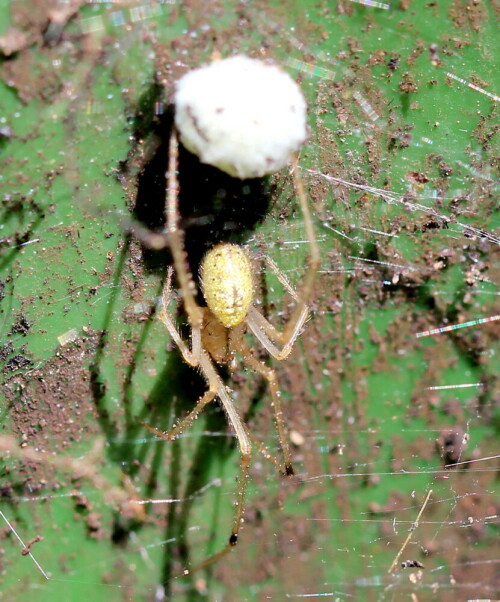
281 277
176 237
172 236
191 356
270 375
216 388
237 521
314 258
265 332
216 384
266 453
186 422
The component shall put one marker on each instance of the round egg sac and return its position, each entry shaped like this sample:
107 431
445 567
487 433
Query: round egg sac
245 116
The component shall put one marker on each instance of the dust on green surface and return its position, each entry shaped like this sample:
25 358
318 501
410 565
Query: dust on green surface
401 167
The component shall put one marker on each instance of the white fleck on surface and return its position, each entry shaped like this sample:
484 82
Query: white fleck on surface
68 337
245 116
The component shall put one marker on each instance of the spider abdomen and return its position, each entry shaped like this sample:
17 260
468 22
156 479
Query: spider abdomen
226 279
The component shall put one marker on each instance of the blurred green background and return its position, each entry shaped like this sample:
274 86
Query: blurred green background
400 166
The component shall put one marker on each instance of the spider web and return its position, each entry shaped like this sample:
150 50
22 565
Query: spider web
391 393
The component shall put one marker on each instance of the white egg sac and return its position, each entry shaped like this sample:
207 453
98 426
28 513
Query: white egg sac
245 116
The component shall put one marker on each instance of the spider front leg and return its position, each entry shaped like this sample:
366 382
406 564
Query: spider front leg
270 375
198 357
215 384
216 387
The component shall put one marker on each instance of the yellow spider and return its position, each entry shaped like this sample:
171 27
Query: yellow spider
218 330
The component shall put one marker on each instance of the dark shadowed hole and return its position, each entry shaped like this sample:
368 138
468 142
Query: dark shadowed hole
214 206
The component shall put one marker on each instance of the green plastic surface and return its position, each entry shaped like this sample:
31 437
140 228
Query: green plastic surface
400 168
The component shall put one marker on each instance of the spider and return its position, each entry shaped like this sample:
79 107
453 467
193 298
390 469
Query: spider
218 330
